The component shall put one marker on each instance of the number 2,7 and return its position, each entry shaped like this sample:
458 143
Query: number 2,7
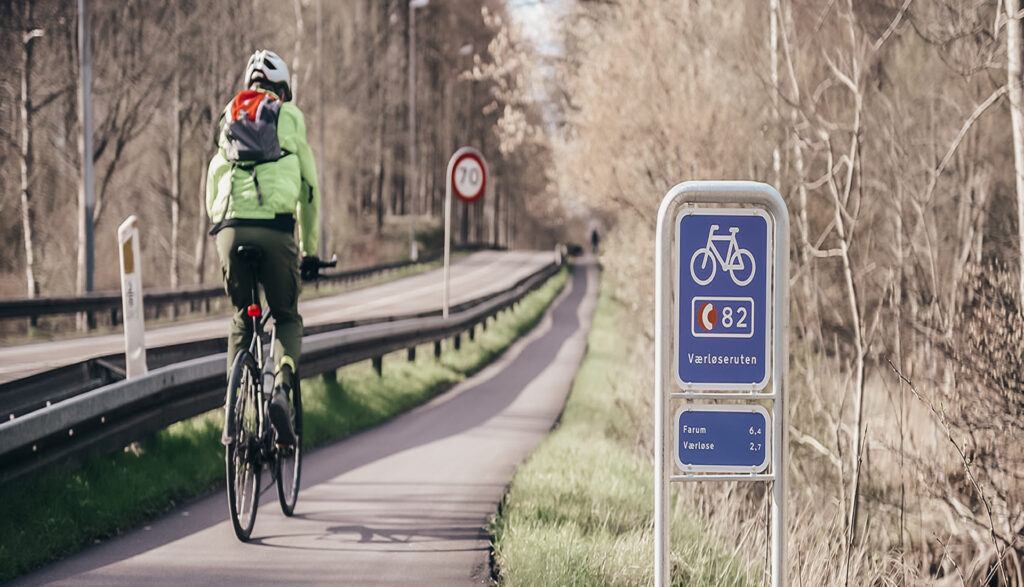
755 446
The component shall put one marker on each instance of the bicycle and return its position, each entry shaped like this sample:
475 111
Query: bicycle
250 440
732 262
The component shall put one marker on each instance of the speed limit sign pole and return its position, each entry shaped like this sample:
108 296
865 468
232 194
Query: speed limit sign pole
467 177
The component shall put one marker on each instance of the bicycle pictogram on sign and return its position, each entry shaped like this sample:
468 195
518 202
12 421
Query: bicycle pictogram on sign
738 262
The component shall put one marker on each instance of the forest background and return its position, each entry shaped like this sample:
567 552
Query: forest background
162 73
893 129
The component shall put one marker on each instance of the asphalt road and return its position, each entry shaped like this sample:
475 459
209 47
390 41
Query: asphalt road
405 503
478 274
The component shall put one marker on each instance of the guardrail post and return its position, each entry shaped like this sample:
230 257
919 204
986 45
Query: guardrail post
437 349
458 341
412 354
472 332
378 365
132 307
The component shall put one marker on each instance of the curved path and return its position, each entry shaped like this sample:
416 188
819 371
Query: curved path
478 274
405 503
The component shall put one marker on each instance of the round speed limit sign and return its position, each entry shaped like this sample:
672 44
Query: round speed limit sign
469 177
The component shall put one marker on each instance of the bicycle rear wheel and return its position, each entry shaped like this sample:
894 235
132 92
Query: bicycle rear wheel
289 458
242 457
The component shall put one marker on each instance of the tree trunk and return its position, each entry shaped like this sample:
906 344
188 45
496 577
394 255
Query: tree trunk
175 178
201 236
25 147
858 327
378 161
1013 74
202 222
773 48
296 63
495 222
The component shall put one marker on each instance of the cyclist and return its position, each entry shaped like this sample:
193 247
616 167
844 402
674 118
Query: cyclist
257 205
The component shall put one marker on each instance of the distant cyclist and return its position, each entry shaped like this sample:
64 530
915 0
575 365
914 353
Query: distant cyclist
594 241
263 176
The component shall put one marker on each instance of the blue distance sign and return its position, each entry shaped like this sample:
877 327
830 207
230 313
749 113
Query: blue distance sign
723 299
723 438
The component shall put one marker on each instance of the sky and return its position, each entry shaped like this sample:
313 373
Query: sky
539 20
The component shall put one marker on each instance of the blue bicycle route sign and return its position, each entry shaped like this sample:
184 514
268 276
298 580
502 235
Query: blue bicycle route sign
723 303
723 438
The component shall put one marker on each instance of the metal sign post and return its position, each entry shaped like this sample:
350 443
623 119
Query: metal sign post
721 326
467 175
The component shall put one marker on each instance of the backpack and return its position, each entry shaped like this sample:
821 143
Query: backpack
251 129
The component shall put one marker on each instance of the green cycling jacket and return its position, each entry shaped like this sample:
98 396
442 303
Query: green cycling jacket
288 186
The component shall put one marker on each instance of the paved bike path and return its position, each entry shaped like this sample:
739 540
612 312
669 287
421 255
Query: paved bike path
403 503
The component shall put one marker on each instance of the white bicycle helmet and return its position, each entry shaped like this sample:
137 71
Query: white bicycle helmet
266 65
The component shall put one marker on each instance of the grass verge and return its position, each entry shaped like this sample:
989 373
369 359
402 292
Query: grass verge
580 510
60 512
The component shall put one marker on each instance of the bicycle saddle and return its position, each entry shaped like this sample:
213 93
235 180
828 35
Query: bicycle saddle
249 253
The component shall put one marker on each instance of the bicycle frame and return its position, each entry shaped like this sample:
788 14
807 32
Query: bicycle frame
259 323
730 253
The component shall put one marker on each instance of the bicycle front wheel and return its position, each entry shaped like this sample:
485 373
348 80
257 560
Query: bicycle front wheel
289 458
242 457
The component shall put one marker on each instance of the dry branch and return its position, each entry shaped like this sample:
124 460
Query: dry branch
965 461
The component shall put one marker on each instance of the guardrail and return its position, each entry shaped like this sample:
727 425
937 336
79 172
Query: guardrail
109 417
156 299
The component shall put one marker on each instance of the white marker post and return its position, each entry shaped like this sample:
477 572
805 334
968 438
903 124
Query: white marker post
467 175
721 333
131 298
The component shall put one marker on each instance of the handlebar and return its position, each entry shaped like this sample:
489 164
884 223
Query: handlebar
311 266
328 264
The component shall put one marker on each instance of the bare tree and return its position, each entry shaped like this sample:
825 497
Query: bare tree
175 154
1013 83
28 109
29 106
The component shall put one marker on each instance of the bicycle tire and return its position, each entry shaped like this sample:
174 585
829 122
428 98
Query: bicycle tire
242 455
289 459
708 255
742 265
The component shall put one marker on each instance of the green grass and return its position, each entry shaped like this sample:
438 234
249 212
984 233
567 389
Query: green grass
580 510
60 512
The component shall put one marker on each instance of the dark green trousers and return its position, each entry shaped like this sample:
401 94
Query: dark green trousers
278 272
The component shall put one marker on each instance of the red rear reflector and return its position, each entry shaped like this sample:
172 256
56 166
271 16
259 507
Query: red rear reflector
254 311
